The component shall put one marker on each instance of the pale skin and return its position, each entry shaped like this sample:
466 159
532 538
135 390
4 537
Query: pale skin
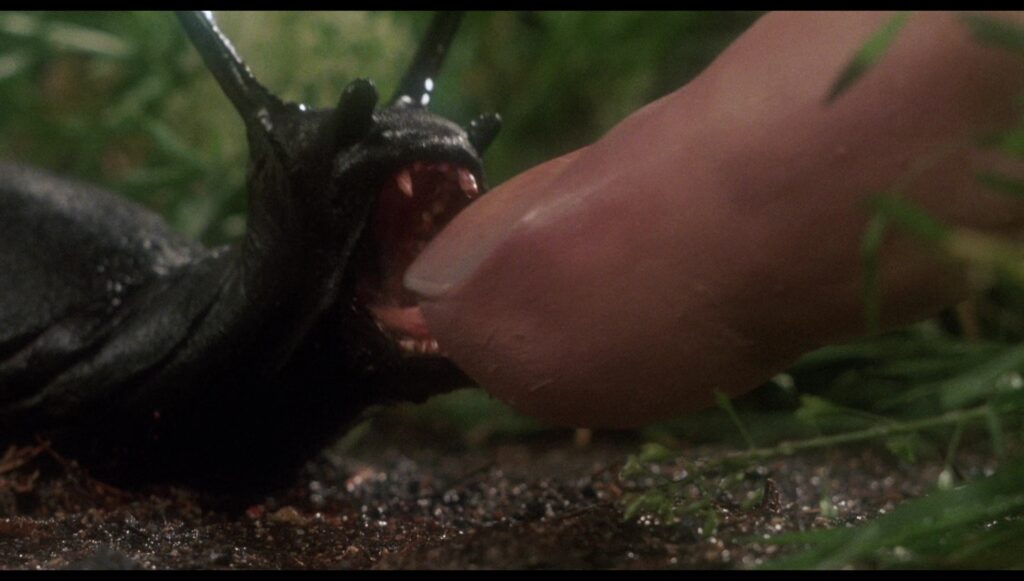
714 236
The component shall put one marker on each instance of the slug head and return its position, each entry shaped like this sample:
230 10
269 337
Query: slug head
359 189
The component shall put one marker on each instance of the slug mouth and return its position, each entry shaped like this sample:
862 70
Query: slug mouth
414 204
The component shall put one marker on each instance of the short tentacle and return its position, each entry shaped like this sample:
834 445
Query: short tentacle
418 81
483 130
353 117
251 99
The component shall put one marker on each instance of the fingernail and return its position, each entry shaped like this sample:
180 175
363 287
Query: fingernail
464 245
451 259
456 254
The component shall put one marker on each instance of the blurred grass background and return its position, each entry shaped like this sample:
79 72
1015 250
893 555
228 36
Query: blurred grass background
121 99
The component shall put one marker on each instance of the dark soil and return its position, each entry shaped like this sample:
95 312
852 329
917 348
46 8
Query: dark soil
408 497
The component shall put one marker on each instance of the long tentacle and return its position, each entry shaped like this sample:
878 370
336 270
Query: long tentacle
236 80
418 81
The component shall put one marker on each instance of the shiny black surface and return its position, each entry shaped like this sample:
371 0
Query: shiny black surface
150 356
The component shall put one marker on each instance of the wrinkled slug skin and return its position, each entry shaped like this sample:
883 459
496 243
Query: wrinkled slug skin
714 236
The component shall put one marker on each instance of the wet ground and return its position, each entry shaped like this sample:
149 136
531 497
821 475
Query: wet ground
400 496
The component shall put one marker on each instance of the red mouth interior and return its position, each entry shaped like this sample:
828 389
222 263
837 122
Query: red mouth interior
415 203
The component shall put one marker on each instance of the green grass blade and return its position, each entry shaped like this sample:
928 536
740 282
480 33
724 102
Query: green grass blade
911 218
726 405
1010 141
995 32
1001 183
867 56
926 527
971 387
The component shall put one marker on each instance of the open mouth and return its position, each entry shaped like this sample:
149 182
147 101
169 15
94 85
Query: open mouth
415 203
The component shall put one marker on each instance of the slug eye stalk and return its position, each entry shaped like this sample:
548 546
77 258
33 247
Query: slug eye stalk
236 80
255 103
417 83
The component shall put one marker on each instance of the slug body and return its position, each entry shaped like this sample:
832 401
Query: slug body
137 348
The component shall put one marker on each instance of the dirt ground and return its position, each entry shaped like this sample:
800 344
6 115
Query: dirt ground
403 497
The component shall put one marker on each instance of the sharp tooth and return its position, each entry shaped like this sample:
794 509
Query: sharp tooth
404 181
408 344
467 182
433 345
